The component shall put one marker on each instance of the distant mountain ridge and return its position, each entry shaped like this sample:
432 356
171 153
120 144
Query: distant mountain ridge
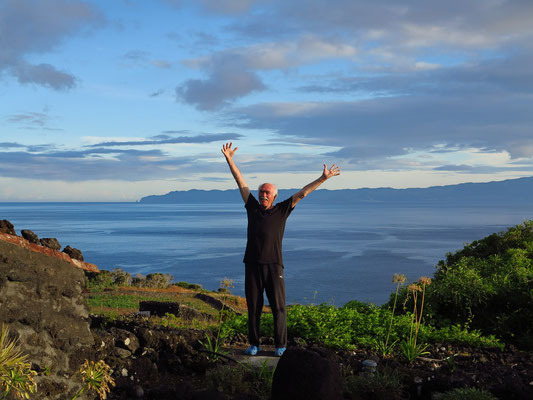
511 191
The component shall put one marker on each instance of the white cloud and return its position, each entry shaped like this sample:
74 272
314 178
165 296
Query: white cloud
35 27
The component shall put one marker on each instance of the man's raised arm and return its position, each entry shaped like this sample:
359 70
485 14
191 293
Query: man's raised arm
328 173
243 187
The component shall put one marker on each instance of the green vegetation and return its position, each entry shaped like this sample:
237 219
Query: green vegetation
114 279
487 286
16 374
231 380
467 394
96 377
350 327
214 345
381 385
187 285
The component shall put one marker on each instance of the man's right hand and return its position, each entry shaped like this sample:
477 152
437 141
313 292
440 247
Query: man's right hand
228 151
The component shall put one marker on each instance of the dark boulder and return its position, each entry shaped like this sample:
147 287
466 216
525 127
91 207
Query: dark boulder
51 243
29 236
307 374
73 253
7 227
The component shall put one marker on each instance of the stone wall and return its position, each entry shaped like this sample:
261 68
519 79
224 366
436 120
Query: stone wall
41 302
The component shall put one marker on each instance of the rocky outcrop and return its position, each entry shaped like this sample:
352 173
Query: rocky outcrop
41 302
21 242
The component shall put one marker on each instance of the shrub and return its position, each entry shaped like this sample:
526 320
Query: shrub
121 278
489 286
97 282
346 327
467 394
158 280
382 385
227 379
187 285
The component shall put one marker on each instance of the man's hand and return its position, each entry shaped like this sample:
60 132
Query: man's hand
333 171
326 174
243 187
227 151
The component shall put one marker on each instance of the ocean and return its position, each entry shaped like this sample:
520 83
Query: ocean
332 254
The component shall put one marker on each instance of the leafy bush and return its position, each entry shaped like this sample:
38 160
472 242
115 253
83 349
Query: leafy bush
156 280
97 282
121 278
489 286
467 394
347 327
384 384
187 285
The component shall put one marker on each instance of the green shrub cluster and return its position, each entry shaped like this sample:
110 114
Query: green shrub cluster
117 277
355 324
488 286
187 285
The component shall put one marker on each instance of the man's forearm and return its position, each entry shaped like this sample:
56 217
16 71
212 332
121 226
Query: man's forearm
235 172
328 173
310 187
243 187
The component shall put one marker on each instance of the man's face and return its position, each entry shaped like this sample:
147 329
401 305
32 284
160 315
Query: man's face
266 195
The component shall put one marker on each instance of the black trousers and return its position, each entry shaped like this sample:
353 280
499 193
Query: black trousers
267 278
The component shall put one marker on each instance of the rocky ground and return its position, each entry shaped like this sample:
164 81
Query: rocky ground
170 364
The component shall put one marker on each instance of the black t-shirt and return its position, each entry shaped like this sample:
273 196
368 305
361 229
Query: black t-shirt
265 231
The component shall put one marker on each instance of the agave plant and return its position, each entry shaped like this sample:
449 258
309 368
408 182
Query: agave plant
15 371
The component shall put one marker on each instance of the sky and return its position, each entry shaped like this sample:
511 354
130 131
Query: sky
113 100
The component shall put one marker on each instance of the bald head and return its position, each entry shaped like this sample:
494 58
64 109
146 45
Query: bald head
267 194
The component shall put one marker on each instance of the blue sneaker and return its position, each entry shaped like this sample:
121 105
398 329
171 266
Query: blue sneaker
279 351
252 350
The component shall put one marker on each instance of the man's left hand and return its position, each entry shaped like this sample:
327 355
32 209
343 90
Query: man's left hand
333 171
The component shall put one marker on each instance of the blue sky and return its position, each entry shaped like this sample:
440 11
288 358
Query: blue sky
112 100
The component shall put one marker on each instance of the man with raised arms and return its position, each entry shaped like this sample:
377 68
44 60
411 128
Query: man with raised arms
263 256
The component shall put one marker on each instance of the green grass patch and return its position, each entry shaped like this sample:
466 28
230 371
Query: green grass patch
123 301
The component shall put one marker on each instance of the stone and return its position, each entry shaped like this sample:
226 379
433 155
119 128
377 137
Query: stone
7 227
125 339
51 243
73 253
122 353
307 374
29 236
369 366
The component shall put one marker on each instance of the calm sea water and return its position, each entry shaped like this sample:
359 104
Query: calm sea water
331 254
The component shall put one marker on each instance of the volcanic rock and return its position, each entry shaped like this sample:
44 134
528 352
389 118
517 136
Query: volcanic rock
73 253
7 227
51 243
29 236
307 374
